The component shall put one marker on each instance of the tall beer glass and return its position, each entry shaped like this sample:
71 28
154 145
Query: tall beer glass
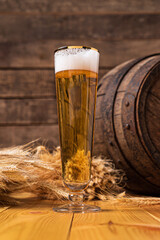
76 74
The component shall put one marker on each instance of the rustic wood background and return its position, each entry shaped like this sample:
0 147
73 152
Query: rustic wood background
29 33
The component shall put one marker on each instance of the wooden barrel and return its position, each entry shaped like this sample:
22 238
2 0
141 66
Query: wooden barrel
127 126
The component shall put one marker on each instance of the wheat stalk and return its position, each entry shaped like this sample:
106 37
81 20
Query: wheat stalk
34 169
37 171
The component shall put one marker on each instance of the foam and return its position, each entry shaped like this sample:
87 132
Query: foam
76 58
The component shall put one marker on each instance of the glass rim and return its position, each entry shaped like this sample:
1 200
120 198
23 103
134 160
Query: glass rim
69 47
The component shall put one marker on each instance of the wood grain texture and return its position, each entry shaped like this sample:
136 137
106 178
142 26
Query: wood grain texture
148 121
108 84
123 221
119 105
27 83
29 33
153 118
116 231
17 135
28 111
34 223
116 223
30 83
2 209
99 147
128 139
39 27
99 136
79 6
154 212
40 53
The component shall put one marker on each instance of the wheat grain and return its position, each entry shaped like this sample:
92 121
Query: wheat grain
34 169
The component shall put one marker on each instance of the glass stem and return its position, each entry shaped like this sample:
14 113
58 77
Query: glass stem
76 198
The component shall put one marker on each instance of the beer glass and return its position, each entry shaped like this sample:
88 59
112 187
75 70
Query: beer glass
76 74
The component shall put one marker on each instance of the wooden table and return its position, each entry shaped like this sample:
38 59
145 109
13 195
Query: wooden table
37 221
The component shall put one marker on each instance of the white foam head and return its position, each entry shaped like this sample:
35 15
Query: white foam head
77 58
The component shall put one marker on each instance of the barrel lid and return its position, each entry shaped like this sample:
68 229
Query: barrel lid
148 112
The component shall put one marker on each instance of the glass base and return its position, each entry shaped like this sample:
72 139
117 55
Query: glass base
77 208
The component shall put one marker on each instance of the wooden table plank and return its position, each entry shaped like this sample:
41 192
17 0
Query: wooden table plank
71 6
34 223
154 212
115 232
2 209
118 222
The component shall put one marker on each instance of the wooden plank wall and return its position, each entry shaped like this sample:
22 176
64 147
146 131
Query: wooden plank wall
30 30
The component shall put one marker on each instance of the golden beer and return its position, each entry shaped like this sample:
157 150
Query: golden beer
76 94
76 74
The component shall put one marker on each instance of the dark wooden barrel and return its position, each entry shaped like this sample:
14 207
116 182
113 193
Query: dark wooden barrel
127 126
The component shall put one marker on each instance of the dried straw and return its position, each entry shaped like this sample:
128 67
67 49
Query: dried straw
34 169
